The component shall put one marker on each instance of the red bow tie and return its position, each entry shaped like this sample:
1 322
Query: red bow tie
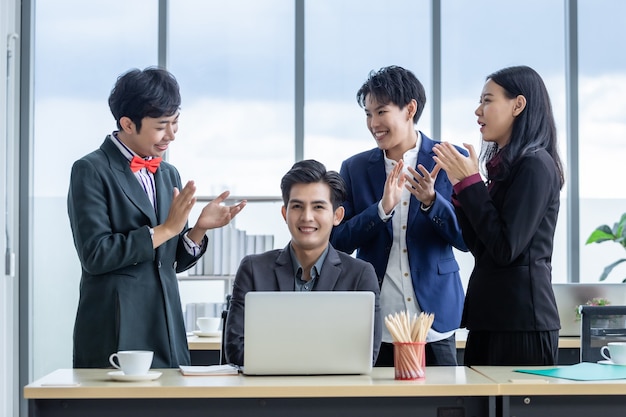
137 163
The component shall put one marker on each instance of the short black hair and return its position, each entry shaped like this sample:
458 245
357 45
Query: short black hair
311 171
394 85
153 92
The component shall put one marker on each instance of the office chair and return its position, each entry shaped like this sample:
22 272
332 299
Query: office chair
600 325
224 317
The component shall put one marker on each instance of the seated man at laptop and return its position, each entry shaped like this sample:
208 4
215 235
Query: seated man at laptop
312 198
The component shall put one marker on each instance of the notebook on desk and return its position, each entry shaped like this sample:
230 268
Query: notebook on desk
570 296
308 333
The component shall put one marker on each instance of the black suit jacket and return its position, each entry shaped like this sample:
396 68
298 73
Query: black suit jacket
273 271
129 295
510 230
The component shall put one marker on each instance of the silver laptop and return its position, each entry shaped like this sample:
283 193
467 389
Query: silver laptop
308 333
570 296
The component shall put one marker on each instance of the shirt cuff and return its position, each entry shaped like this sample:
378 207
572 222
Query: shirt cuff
192 247
466 182
381 213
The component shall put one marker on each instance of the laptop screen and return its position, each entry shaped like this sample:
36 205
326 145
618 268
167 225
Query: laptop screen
308 333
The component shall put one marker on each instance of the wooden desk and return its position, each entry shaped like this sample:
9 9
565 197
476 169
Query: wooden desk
445 391
204 350
536 396
204 343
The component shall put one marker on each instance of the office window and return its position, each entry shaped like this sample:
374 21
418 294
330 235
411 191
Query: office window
602 129
479 38
344 41
235 65
80 49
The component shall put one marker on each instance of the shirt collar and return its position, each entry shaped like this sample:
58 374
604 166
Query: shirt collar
125 150
409 157
315 270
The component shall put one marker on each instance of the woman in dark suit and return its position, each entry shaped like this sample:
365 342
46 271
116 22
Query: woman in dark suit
508 222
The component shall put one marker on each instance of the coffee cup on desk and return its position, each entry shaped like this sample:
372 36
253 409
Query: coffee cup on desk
208 324
616 352
132 362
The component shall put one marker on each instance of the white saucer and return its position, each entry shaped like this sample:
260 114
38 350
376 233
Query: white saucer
207 334
121 376
607 362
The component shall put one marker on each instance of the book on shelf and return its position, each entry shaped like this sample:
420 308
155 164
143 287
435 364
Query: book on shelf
208 260
250 242
217 251
227 247
227 236
241 248
259 245
209 370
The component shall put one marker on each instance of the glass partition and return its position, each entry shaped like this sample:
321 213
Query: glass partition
80 50
602 121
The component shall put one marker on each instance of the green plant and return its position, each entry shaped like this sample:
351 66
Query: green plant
597 301
606 234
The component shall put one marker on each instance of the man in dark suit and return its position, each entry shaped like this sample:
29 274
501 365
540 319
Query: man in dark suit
312 198
128 212
398 214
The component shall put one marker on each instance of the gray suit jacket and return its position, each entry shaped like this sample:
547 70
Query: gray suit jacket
129 295
273 271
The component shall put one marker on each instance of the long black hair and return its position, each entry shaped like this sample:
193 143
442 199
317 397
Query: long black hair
533 129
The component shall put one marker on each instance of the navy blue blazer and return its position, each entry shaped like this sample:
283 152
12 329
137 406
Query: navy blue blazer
129 295
430 235
273 271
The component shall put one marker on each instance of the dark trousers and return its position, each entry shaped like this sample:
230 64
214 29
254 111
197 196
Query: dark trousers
440 353
511 348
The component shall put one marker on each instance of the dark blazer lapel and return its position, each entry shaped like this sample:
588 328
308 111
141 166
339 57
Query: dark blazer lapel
331 271
127 181
164 192
284 270
376 173
377 176
425 158
425 154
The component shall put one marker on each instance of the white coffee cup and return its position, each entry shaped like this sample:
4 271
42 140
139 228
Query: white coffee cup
132 362
208 324
616 352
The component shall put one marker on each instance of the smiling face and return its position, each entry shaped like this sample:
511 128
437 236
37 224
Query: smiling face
310 218
154 137
496 113
391 126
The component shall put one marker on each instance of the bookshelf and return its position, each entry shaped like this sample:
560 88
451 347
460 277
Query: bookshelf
228 280
243 236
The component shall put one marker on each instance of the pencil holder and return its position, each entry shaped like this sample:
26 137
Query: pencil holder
409 360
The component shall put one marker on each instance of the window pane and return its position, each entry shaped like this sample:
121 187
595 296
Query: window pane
479 38
344 42
602 124
235 64
81 48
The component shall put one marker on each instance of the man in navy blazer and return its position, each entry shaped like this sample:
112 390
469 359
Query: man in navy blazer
312 198
128 212
399 215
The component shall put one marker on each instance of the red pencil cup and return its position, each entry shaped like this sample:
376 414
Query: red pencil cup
409 360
